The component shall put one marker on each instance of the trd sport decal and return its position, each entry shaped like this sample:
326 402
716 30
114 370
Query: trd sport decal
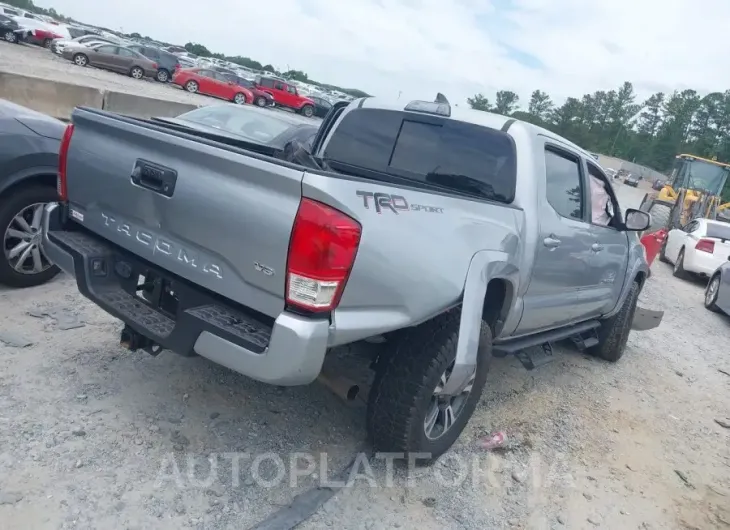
394 203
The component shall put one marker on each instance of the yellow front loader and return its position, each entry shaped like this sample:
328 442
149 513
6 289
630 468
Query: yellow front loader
694 190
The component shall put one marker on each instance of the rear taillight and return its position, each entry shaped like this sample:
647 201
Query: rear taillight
154 66
61 187
705 245
322 250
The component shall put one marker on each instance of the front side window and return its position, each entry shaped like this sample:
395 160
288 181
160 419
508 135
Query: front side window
109 50
564 184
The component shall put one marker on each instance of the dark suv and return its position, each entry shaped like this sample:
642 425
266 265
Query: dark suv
8 28
167 63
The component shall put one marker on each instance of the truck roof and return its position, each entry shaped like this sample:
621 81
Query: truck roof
476 117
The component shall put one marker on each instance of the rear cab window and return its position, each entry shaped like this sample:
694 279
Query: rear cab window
426 150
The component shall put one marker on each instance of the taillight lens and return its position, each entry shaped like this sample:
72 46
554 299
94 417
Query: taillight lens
322 250
154 66
61 187
705 245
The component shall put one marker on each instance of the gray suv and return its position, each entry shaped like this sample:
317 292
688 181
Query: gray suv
446 235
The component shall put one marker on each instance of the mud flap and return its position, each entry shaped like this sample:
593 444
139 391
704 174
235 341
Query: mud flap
645 319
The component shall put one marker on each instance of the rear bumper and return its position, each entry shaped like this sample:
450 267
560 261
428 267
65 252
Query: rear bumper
701 262
287 351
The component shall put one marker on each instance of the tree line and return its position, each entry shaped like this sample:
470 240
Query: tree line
649 132
197 49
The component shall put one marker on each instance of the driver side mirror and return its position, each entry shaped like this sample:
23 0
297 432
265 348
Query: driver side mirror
636 220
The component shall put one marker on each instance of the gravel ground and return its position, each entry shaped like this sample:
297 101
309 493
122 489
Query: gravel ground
35 61
91 435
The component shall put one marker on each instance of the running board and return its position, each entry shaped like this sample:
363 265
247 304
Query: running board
518 346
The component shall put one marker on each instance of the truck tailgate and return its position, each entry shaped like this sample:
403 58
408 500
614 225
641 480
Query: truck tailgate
209 213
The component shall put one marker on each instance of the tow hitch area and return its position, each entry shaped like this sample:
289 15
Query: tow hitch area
645 319
134 341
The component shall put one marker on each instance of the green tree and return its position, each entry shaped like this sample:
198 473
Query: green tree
479 102
540 105
506 102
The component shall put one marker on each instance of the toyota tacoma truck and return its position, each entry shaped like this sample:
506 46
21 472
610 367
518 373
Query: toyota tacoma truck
447 235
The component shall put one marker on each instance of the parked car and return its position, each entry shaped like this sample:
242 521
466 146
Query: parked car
321 106
40 33
699 248
211 83
290 259
28 169
631 180
611 172
270 129
114 58
285 95
58 45
717 292
8 29
260 98
167 63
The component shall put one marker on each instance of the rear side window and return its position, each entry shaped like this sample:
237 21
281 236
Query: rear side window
719 231
460 156
564 184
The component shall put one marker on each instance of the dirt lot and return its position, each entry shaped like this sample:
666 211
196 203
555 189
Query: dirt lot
92 436
31 60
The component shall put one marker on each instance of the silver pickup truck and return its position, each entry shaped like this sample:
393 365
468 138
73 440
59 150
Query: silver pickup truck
448 235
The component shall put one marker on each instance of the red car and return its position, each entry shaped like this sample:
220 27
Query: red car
285 95
36 32
211 83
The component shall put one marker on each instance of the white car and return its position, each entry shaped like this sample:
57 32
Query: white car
700 247
58 45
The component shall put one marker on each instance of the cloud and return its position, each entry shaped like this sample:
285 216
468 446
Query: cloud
458 47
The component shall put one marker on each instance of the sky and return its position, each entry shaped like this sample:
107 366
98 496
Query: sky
413 49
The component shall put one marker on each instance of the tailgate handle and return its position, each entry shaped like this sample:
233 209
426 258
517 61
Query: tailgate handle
154 177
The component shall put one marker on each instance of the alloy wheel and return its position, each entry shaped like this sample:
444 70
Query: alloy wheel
711 292
444 409
22 241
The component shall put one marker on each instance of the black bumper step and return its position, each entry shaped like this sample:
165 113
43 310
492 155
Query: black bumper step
108 275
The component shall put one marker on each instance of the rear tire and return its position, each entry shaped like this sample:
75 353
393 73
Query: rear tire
47 44
679 271
307 110
239 98
660 215
136 72
10 37
406 378
614 331
662 251
163 76
711 292
12 204
260 101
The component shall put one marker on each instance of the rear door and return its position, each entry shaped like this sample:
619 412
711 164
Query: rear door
126 59
562 278
206 82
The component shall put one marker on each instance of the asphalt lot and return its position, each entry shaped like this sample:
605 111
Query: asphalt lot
93 436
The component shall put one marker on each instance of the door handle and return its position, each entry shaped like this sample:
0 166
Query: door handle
595 247
551 242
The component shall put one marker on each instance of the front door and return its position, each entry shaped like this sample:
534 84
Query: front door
103 56
559 290
610 253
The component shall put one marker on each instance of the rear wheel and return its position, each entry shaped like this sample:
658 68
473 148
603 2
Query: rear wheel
307 110
81 60
407 410
239 99
711 292
192 87
163 76
261 101
679 271
614 331
23 262
47 43
10 36
660 215
136 72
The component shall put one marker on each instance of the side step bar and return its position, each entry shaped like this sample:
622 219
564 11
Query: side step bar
583 334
